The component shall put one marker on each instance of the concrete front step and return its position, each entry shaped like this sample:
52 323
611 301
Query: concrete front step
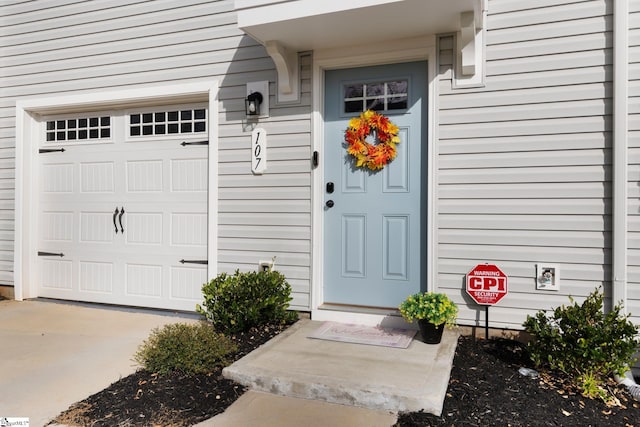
380 378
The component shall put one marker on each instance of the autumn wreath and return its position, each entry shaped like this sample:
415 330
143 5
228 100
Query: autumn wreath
374 157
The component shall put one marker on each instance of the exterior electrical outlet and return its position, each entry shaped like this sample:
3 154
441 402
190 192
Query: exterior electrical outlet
547 277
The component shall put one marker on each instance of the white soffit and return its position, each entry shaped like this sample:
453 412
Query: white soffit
316 24
300 25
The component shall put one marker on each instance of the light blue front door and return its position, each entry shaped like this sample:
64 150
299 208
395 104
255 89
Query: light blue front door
374 224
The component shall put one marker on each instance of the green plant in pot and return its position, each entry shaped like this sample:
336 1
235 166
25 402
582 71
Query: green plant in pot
433 311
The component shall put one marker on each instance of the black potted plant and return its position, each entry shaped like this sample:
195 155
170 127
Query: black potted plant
433 311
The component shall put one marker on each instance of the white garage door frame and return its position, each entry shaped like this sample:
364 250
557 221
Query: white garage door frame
27 173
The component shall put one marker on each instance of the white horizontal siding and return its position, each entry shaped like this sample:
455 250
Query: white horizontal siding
593 91
551 190
530 174
524 273
528 143
60 46
524 163
250 231
264 206
267 215
550 30
528 221
541 79
533 111
551 126
475 254
571 43
538 205
559 11
266 219
564 60
571 239
269 180
275 193
518 160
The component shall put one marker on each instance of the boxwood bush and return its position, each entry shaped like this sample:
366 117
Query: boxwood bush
188 348
584 342
238 302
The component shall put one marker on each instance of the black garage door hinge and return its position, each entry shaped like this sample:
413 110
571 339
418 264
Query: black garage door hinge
50 254
51 150
185 143
194 261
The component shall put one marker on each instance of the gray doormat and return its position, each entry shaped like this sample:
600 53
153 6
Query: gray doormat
359 334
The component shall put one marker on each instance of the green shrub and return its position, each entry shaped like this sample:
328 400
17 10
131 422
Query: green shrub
583 342
239 302
188 348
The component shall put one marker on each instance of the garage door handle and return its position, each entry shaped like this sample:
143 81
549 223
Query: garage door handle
120 220
115 214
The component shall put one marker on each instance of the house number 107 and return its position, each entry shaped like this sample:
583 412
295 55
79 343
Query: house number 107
258 151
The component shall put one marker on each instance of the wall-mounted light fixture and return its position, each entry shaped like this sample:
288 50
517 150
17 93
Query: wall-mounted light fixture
256 101
252 104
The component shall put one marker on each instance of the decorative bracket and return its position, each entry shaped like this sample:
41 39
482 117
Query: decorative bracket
468 43
470 50
287 67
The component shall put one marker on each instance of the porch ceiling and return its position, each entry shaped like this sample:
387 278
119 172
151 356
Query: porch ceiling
286 27
302 25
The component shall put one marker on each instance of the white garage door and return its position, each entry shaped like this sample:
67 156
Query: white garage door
123 207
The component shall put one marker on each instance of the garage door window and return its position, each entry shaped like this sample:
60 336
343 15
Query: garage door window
183 121
79 129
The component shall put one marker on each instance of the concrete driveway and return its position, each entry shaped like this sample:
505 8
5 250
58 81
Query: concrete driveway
55 354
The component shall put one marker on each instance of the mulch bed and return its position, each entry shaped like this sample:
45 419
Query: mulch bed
485 389
147 399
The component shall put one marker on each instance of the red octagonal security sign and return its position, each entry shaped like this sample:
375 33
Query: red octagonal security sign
486 284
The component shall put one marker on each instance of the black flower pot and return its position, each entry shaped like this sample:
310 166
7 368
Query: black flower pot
431 334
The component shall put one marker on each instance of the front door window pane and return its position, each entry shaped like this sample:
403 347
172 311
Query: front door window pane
391 95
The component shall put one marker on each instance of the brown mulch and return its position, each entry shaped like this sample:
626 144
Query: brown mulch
485 389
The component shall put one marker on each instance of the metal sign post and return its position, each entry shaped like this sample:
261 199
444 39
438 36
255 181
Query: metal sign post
486 322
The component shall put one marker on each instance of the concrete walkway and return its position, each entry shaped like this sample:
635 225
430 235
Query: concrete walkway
256 408
56 354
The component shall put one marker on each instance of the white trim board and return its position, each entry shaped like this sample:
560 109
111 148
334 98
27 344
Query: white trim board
27 175
423 48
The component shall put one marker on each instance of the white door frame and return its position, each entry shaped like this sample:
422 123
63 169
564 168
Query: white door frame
422 48
28 176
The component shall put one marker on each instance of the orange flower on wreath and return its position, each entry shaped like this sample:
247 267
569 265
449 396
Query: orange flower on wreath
374 157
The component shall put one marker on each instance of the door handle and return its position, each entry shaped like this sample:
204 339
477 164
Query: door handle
329 203
120 220
115 214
